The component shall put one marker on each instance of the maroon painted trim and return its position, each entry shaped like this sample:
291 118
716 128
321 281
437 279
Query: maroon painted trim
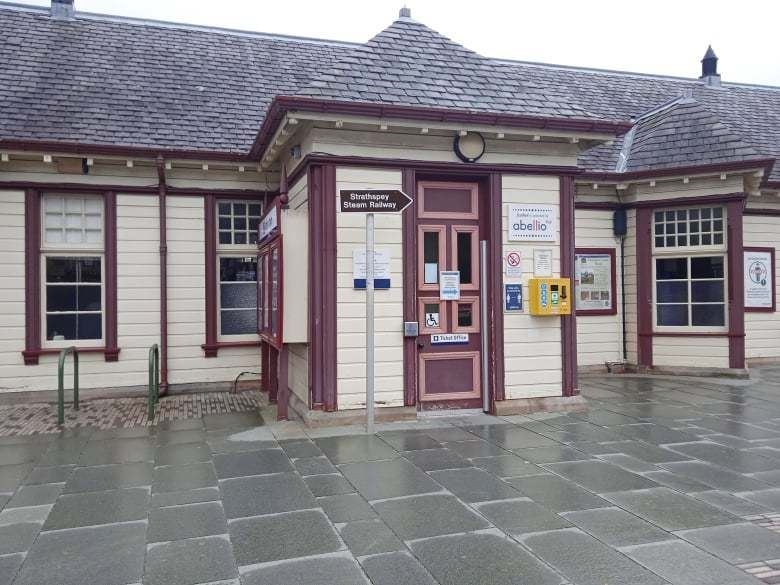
599 205
32 281
282 104
686 201
445 169
568 322
736 308
283 393
215 347
267 248
761 211
210 348
110 249
162 194
322 287
644 287
52 187
32 276
762 163
771 252
495 291
613 279
693 334
114 150
409 237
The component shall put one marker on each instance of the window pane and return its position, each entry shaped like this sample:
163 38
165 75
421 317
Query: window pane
237 269
708 315
464 256
88 298
238 322
61 269
59 327
239 237
465 314
239 209
224 237
255 209
659 242
224 223
672 315
90 327
60 298
224 208
431 257
239 223
671 268
671 292
432 316
89 269
707 267
238 295
707 291
705 213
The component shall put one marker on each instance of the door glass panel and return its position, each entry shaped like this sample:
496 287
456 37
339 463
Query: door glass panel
464 257
431 257
465 314
432 315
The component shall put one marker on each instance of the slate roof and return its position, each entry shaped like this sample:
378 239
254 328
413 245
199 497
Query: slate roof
125 82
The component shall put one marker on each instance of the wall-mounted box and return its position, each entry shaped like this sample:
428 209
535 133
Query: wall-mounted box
549 296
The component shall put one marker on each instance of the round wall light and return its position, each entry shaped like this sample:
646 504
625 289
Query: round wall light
469 147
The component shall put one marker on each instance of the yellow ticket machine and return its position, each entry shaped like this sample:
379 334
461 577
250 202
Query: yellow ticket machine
549 296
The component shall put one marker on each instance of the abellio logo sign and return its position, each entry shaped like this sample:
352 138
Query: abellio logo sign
532 223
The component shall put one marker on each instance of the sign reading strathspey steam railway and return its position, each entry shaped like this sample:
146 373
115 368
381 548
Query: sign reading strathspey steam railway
532 223
373 201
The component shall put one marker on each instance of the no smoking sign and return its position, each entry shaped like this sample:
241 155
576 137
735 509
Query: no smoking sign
513 262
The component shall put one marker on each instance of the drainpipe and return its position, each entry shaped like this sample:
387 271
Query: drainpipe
163 192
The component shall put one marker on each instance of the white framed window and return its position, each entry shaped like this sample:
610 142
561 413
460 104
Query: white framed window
237 225
690 270
237 222
72 270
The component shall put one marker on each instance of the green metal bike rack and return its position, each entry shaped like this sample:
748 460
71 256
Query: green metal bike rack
61 383
154 379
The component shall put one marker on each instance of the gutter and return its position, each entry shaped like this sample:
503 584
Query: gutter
163 211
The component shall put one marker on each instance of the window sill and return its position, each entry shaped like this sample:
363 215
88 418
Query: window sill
211 350
31 356
691 334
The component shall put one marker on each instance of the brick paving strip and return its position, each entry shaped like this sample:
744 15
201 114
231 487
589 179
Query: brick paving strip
109 413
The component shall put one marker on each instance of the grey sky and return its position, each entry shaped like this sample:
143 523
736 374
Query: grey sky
666 37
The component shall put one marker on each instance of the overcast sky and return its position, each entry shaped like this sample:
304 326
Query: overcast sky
651 36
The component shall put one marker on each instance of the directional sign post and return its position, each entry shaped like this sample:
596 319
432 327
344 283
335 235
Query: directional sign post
371 201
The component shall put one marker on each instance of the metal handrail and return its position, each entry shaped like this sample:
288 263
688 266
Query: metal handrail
61 383
154 379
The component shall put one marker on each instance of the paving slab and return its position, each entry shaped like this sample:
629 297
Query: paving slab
9 566
11 476
617 527
298 448
513 437
600 477
522 516
681 563
207 494
16 538
109 477
669 509
251 463
551 454
370 537
482 558
117 451
265 494
715 477
282 536
50 474
435 459
187 562
35 495
182 454
377 480
396 568
233 420
346 508
731 503
507 466
629 463
102 555
87 509
478 448
428 515
736 543
188 521
314 466
677 482
557 494
328 485
768 498
474 484
21 453
586 561
450 434
349 449
655 434
409 441
177 478
333 570
737 460
180 437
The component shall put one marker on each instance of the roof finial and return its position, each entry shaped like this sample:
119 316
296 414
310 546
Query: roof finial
405 12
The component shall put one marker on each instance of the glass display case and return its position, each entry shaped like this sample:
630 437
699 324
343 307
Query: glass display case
269 279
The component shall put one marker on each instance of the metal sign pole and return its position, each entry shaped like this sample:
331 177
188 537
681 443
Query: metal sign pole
370 323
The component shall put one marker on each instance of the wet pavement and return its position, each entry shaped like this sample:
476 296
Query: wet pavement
660 481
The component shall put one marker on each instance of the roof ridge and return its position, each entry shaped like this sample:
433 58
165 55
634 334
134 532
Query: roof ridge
136 21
